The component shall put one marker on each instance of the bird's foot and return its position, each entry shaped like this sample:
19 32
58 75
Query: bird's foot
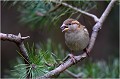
71 56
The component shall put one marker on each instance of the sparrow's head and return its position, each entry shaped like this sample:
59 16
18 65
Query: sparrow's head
70 25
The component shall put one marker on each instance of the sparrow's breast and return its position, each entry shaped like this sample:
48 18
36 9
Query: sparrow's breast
77 40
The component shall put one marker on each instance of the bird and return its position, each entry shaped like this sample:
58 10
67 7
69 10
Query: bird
76 36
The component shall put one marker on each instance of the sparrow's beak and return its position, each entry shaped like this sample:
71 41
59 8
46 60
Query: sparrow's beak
64 28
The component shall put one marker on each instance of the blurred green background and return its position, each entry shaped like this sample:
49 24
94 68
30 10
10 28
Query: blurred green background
44 31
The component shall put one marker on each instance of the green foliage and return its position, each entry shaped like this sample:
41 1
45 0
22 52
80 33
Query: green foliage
48 55
49 11
51 46
41 60
99 69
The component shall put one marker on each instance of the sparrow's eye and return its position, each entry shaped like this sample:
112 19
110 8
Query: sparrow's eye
69 24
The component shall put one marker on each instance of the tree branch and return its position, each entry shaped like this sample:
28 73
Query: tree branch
96 19
99 24
19 42
63 66
96 28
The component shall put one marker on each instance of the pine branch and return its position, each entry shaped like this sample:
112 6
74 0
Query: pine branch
96 19
99 24
79 58
19 42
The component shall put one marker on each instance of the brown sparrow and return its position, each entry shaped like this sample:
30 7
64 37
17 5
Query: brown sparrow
76 35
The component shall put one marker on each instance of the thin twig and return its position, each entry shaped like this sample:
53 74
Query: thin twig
55 8
96 19
79 75
51 10
69 62
39 13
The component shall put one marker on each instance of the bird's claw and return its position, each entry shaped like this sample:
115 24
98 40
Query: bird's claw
72 57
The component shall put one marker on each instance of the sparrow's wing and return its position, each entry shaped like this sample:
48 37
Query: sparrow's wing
85 30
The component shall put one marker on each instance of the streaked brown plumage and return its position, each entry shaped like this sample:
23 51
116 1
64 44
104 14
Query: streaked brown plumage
76 35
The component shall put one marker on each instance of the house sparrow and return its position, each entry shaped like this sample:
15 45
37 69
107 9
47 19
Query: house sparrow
76 35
